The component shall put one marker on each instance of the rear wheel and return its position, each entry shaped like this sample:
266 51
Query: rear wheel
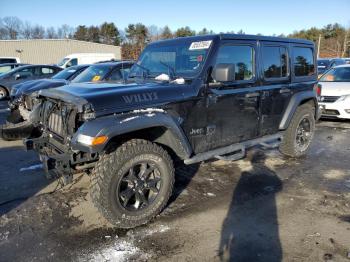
133 184
298 136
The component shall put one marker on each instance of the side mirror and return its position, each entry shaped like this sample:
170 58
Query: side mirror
17 77
224 73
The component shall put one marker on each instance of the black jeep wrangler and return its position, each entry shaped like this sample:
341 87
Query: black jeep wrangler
194 99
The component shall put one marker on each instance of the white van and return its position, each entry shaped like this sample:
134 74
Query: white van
84 58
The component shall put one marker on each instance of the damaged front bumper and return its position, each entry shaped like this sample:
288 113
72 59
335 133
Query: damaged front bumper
60 160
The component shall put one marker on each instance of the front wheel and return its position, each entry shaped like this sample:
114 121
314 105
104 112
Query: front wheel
298 136
3 93
133 184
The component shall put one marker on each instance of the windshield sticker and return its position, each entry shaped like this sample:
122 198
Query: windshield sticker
96 78
200 45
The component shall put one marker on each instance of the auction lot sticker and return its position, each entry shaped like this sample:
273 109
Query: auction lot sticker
200 45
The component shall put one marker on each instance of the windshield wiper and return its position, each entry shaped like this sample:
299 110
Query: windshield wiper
171 70
144 70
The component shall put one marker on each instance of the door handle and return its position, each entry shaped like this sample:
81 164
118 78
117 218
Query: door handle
255 94
284 90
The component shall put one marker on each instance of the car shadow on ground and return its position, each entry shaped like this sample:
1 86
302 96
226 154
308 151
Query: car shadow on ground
250 229
183 177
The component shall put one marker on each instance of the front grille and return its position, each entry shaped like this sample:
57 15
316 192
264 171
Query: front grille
329 99
56 123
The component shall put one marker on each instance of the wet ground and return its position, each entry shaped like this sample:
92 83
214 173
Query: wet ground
262 208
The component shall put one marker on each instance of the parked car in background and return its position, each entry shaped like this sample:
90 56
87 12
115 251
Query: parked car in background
4 68
105 72
5 60
84 58
18 126
61 78
22 74
335 92
324 64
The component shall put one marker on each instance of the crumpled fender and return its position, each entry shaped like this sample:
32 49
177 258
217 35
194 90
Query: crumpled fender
114 125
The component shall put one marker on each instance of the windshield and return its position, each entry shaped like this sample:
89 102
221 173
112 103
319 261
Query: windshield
93 73
338 74
63 61
4 69
65 74
178 58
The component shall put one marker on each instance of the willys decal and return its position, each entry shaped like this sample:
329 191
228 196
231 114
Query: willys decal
139 98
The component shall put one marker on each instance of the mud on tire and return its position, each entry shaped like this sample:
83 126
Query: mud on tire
116 176
302 124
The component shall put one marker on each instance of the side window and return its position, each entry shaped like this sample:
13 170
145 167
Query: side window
303 61
26 72
275 61
125 72
242 56
115 75
46 70
72 62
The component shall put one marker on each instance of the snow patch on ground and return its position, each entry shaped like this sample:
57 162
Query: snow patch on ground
123 249
33 167
119 251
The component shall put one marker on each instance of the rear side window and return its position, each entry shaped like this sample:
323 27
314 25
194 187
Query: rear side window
303 61
241 56
275 61
46 70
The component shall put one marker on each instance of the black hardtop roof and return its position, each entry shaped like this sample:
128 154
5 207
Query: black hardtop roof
239 37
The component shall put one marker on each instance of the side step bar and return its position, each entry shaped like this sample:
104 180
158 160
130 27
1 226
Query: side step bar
238 149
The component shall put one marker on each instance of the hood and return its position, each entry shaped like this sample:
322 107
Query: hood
335 88
29 87
107 98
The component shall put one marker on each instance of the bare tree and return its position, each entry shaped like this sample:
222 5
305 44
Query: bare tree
13 25
3 31
51 33
27 30
154 32
65 31
38 32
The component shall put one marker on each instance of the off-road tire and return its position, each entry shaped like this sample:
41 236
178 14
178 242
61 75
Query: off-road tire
288 145
109 171
11 132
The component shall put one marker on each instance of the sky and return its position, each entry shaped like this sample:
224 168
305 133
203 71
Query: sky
252 16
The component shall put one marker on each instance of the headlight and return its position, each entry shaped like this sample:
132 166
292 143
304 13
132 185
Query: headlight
91 141
344 97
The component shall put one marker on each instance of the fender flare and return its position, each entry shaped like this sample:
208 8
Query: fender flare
112 126
294 102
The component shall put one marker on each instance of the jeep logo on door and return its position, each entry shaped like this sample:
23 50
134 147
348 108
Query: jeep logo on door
139 98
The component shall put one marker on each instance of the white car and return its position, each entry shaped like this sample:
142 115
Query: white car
335 92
